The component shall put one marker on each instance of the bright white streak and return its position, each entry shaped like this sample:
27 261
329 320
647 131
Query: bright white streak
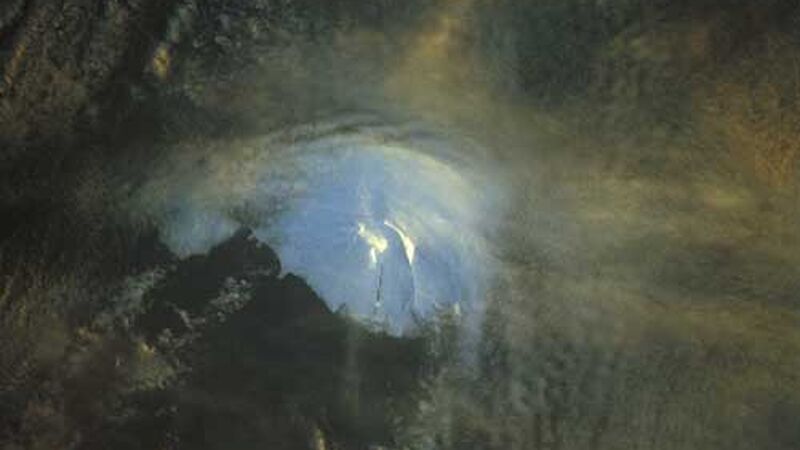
408 244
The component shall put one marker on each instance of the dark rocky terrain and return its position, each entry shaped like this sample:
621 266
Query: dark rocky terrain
215 352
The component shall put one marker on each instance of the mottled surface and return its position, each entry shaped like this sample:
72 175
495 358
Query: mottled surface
645 257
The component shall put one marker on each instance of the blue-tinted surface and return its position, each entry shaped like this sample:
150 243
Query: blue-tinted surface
384 230
390 234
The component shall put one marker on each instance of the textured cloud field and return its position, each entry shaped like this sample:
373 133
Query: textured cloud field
607 191
642 282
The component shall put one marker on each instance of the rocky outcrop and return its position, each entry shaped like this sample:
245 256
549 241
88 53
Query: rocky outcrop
216 351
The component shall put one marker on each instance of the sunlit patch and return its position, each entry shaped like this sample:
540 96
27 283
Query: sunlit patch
161 62
387 246
390 224
377 243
